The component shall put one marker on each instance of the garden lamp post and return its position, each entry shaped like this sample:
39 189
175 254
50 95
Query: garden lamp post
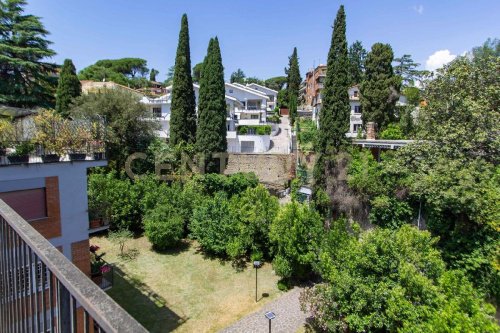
270 316
256 264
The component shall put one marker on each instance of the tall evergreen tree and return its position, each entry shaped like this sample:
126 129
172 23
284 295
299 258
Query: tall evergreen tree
152 74
334 114
25 79
211 135
293 80
357 55
183 114
68 88
380 88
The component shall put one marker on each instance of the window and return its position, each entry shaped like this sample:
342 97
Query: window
357 109
254 116
355 93
30 204
230 91
26 280
357 128
157 112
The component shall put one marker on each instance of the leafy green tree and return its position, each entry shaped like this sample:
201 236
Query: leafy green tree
253 79
293 78
152 74
120 237
163 227
26 80
490 48
255 210
380 88
234 184
392 281
283 98
292 106
237 76
170 76
69 87
125 71
183 110
334 114
213 224
295 236
116 200
197 69
406 68
127 129
392 132
211 135
357 56
276 83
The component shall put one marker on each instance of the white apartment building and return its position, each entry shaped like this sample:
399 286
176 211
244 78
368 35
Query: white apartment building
246 111
272 94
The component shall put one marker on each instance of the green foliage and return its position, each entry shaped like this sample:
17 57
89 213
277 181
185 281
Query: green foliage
257 129
127 130
390 212
392 281
392 132
212 114
68 88
308 134
25 79
197 70
412 95
490 48
120 237
125 71
183 109
23 148
357 56
234 184
237 76
295 234
163 227
115 199
213 224
254 210
7 133
292 106
334 115
407 70
380 88
152 74
293 80
282 98
276 83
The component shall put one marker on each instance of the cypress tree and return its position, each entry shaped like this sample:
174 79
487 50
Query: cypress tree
380 88
334 114
25 79
211 135
183 109
293 83
357 55
68 87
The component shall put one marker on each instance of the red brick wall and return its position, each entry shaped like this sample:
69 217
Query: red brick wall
50 227
80 255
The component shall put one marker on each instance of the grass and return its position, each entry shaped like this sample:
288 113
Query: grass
184 291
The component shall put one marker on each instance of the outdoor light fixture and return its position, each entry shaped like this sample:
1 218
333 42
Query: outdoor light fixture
270 316
256 264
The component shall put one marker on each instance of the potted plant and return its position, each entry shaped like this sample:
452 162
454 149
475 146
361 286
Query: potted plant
49 126
78 137
21 153
97 135
96 264
6 135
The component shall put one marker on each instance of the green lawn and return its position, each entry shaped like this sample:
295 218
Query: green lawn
183 290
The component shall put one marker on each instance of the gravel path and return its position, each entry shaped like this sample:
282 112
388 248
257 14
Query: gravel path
288 319
280 143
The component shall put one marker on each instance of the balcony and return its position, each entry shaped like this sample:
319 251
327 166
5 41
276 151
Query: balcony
91 151
42 291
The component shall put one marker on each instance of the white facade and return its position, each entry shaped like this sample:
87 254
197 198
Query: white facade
272 94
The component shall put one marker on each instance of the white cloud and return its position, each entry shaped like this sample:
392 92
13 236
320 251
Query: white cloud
438 59
419 9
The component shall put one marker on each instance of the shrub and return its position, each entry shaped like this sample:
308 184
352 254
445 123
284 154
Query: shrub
258 129
120 237
163 227
213 225
392 132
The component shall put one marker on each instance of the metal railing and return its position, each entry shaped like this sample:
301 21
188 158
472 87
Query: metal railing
42 291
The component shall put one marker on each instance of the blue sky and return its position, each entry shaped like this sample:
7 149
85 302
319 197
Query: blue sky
259 35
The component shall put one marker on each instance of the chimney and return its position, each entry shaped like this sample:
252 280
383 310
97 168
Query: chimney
370 131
